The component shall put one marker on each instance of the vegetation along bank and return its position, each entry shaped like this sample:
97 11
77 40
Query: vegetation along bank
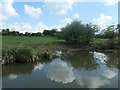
32 47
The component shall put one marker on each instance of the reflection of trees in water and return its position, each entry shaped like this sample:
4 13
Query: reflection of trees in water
60 71
83 60
22 68
17 69
113 61
45 61
0 77
0 70
89 61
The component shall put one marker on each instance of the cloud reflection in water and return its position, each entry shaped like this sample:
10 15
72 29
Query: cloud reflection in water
60 72
90 82
100 57
38 67
12 76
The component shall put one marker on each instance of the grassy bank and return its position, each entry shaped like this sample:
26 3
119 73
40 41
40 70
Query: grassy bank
19 49
36 44
29 48
107 45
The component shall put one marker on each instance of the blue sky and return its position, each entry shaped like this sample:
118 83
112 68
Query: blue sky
37 16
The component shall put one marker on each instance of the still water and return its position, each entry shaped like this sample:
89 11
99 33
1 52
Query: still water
79 70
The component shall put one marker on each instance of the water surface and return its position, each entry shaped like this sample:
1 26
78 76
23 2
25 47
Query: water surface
80 70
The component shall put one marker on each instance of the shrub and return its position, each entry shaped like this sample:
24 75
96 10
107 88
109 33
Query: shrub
22 55
7 56
79 33
18 55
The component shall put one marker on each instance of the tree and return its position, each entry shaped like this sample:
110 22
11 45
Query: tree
78 33
52 32
14 33
90 30
38 34
5 31
46 32
27 34
118 27
110 32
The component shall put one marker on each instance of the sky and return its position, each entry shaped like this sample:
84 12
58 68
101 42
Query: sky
38 15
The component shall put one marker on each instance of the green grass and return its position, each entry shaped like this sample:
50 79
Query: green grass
25 48
99 40
37 42
29 41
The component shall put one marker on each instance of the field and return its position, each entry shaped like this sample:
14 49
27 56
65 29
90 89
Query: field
30 41
99 40
38 43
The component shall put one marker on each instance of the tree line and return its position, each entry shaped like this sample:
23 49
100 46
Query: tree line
7 32
74 33
109 33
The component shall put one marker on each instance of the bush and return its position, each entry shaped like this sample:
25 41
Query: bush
46 55
22 55
7 56
79 33
110 44
18 55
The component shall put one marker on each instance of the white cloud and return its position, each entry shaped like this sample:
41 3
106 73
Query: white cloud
58 8
58 27
2 18
21 27
110 2
67 20
33 12
2 25
109 74
26 27
102 20
76 16
60 71
7 10
40 27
